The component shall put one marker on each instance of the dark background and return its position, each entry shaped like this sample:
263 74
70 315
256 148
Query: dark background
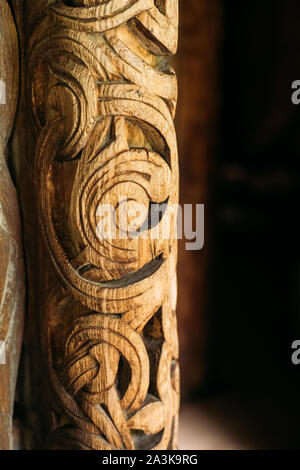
239 143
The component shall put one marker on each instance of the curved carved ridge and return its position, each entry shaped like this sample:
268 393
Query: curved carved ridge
104 128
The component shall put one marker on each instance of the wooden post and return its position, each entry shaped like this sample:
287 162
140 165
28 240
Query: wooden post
11 262
100 101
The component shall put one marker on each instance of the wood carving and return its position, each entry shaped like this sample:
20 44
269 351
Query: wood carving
102 99
11 263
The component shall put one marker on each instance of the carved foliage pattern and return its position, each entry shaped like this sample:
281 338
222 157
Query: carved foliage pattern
104 127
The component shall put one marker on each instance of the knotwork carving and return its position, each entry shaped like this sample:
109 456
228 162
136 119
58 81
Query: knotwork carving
102 100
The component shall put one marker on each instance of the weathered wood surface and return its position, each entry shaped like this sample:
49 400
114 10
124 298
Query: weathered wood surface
11 262
100 101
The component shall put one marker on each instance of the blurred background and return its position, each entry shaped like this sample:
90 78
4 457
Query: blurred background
239 297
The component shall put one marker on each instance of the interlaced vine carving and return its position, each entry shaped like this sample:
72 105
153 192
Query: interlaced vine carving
103 98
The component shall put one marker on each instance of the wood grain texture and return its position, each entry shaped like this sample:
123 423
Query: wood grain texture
11 262
101 99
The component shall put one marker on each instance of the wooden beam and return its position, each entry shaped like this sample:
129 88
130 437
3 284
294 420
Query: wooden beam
100 101
11 262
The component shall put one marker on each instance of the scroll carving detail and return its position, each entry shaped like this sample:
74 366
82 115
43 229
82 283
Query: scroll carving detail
103 121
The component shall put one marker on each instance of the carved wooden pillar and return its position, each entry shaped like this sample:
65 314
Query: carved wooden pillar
11 263
101 99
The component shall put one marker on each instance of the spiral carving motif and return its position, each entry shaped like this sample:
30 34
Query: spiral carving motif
104 125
